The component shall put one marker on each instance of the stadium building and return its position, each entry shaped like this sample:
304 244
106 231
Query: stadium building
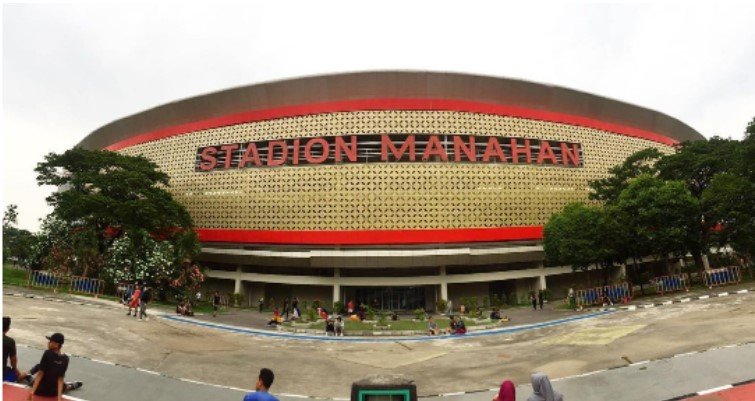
399 188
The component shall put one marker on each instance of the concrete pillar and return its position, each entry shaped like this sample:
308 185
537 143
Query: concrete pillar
443 284
541 285
623 272
336 286
237 284
706 263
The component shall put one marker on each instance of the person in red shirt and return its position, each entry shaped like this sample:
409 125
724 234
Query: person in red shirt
134 302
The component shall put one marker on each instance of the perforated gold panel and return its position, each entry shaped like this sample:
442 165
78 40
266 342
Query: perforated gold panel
384 195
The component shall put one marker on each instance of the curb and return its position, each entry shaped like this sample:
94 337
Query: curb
675 301
710 390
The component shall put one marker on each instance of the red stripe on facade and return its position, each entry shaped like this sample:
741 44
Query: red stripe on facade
371 237
391 104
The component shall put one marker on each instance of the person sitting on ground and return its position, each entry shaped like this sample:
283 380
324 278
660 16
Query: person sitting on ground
330 327
277 319
507 392
460 327
495 314
543 390
262 387
451 325
432 327
606 300
51 370
10 370
339 327
394 316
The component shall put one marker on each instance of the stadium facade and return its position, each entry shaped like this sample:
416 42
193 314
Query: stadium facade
399 188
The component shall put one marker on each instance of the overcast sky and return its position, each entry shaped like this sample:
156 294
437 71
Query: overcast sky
69 69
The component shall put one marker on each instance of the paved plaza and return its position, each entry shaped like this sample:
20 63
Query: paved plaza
616 355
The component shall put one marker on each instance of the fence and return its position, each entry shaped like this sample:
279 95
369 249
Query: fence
38 278
722 276
671 283
593 296
87 285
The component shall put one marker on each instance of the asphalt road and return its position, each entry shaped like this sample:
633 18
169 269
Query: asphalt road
654 380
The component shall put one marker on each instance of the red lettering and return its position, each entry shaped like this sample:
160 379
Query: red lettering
546 152
493 148
295 155
271 153
434 148
387 144
209 161
516 150
250 155
469 151
566 155
308 150
342 148
229 149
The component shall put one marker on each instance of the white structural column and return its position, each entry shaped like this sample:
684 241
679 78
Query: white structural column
336 285
443 284
542 283
237 284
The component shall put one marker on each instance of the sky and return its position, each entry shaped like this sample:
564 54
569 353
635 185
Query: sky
68 69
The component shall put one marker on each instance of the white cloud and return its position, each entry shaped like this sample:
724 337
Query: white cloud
68 69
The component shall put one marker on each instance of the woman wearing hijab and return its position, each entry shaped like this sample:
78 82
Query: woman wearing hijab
507 392
543 391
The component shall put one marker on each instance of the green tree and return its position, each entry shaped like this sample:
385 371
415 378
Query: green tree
607 189
658 215
107 195
581 236
696 164
18 244
729 200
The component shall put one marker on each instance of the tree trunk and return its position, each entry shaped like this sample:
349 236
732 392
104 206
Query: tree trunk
606 266
637 274
698 256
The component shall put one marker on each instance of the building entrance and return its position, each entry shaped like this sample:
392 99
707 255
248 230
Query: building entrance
392 298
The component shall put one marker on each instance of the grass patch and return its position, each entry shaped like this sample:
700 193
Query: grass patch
15 276
406 324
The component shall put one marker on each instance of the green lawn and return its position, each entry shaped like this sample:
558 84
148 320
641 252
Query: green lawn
15 276
406 324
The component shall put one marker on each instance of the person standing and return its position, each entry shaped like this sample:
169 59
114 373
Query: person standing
286 307
572 299
134 302
215 303
144 299
262 387
48 382
541 298
295 307
533 299
261 302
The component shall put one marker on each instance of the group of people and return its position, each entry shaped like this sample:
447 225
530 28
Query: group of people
47 377
456 326
137 299
537 299
542 390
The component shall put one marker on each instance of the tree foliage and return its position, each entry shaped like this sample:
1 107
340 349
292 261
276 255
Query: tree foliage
18 244
107 199
608 189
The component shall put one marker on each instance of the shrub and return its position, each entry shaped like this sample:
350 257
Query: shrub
338 308
441 305
237 299
419 314
316 304
370 313
473 306
513 299
486 302
382 318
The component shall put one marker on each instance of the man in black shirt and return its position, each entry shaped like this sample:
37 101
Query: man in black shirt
51 370
215 303
10 371
145 298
